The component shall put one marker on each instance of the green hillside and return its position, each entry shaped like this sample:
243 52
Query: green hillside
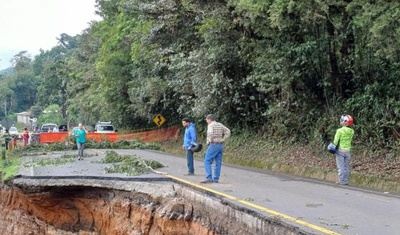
7 71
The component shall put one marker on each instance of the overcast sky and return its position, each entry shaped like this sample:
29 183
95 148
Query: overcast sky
34 24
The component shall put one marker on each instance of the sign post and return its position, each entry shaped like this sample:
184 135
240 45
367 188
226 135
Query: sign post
159 120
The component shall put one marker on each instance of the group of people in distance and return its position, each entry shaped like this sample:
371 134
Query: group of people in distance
79 134
217 134
24 137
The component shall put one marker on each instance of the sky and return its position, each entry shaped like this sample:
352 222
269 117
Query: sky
31 25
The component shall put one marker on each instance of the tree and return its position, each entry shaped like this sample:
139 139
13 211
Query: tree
22 83
52 68
51 114
284 68
21 61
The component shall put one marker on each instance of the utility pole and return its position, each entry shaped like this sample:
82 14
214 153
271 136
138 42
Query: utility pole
5 112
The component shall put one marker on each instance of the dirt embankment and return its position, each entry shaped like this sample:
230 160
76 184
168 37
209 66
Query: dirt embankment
93 210
96 207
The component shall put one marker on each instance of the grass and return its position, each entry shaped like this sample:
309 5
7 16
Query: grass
51 161
255 163
9 167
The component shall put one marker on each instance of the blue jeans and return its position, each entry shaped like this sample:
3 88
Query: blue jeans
343 165
80 149
213 153
190 164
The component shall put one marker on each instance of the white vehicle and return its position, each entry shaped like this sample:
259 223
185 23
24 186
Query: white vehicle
105 127
13 131
48 126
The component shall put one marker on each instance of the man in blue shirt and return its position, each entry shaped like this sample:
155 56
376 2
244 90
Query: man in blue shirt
189 139
80 134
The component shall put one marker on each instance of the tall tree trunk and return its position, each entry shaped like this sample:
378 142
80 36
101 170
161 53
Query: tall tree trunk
333 60
341 49
347 54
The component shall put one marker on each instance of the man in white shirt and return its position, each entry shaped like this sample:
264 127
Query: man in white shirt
217 134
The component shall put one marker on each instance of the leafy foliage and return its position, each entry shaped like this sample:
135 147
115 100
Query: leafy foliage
51 114
129 165
286 69
9 167
51 161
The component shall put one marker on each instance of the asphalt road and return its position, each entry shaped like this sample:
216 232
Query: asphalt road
314 206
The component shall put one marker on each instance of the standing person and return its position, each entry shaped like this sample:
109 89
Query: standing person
35 135
217 134
188 139
25 136
80 135
7 139
343 139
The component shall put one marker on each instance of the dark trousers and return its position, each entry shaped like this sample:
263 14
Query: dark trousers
190 163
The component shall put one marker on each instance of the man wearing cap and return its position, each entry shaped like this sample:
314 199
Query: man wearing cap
217 134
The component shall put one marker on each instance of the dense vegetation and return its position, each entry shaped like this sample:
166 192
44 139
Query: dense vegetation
283 68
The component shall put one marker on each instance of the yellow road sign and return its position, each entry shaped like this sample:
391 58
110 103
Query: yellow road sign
159 120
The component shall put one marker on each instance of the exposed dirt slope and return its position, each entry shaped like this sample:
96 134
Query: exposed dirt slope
107 207
76 210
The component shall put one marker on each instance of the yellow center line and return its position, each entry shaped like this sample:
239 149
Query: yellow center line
258 207
252 205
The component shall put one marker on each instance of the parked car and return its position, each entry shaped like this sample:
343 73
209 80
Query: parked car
105 127
47 126
13 131
62 128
